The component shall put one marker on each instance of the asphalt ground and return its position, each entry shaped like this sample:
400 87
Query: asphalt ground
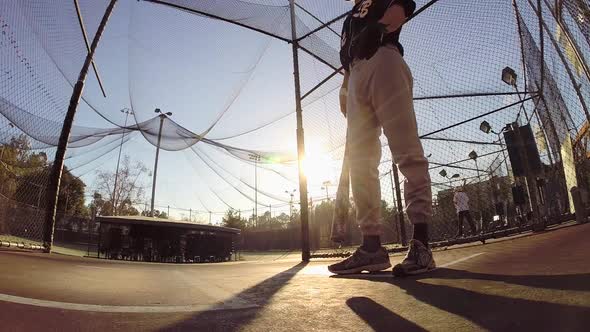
539 282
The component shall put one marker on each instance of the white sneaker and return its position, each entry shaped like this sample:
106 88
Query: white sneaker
362 261
418 260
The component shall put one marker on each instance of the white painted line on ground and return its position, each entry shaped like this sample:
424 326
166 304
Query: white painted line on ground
386 275
461 260
228 305
97 267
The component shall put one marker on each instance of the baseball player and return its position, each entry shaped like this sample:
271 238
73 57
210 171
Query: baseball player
377 95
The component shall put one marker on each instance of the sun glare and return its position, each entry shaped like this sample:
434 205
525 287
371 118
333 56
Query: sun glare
317 166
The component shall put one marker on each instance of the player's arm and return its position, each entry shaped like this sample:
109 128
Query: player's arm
344 93
395 16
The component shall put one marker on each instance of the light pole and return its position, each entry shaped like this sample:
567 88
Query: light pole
162 118
473 155
325 187
52 191
444 174
256 158
291 193
270 213
487 128
127 112
509 77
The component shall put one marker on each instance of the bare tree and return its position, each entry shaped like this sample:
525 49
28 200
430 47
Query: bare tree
129 191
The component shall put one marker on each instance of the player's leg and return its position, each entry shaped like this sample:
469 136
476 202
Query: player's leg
460 220
391 95
364 151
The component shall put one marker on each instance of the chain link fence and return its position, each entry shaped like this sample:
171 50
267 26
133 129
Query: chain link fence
458 53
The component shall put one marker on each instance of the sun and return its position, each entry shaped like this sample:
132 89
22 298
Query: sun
317 165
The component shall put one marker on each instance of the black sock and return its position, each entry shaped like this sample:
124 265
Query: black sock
371 243
421 233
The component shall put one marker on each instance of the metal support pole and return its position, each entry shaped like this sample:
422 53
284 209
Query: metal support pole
291 208
127 112
39 199
162 117
544 131
89 235
542 43
85 35
400 209
305 250
99 240
58 163
479 196
526 115
504 153
270 210
256 158
519 27
392 188
256 191
190 215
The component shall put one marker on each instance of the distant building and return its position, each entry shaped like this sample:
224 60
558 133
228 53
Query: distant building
163 240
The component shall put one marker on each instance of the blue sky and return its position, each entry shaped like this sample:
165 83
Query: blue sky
192 66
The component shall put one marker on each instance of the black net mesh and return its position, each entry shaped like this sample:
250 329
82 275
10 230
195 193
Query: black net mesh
224 70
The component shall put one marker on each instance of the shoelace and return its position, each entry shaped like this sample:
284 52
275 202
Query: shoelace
354 258
412 251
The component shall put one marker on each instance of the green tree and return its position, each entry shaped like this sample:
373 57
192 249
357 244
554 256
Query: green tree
98 205
126 208
24 176
16 160
31 189
282 220
129 191
233 220
157 214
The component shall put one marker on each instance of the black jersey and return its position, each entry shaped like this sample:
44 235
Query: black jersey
362 34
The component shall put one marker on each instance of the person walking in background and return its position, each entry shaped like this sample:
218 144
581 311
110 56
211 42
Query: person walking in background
461 200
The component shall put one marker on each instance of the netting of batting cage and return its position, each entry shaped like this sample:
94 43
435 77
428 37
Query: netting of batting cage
224 70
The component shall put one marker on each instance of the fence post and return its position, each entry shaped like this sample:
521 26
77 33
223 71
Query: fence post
58 162
304 213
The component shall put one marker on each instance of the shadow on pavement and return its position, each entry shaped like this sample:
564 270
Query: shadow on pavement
499 313
575 282
378 317
233 320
